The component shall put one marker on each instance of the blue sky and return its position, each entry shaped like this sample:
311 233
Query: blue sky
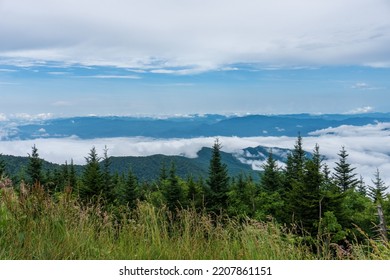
65 58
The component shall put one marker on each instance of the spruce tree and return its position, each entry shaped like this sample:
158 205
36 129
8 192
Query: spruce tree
173 193
377 191
343 172
108 186
218 181
270 179
128 194
34 168
92 179
296 162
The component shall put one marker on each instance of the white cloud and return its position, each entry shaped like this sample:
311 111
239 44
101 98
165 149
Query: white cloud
133 77
213 35
3 117
361 110
61 103
364 86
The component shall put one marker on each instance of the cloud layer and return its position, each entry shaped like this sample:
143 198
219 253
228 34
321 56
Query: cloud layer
174 36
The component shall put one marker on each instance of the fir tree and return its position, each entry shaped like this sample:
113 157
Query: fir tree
218 181
270 179
344 176
296 162
378 190
92 181
128 195
107 183
34 168
173 193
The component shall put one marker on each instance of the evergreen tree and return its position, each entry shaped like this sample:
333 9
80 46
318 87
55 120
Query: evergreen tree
34 168
296 162
173 193
270 179
107 183
92 179
344 176
218 181
361 186
303 199
377 192
163 173
242 197
128 195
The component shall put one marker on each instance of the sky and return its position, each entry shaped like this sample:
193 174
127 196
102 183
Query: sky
117 57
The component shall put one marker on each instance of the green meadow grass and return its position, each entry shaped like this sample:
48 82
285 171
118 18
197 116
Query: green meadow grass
35 226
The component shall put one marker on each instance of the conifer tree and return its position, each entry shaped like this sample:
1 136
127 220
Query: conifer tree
377 192
343 172
34 168
296 162
173 192
107 183
92 181
270 179
128 195
218 181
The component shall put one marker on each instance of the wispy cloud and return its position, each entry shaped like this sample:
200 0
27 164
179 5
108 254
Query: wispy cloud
361 110
132 77
364 86
58 73
61 103
7 70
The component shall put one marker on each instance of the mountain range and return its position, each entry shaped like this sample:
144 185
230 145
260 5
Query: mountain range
182 127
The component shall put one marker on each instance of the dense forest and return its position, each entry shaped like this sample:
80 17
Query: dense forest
314 212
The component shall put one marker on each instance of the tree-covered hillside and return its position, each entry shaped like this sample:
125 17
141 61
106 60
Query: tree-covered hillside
325 210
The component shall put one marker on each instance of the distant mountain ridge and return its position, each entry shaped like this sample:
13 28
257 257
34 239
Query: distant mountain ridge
184 127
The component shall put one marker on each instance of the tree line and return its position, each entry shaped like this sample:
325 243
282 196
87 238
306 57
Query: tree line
305 195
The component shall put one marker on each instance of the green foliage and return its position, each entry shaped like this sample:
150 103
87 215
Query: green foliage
320 211
218 181
378 190
2 167
34 168
344 176
173 191
92 185
270 179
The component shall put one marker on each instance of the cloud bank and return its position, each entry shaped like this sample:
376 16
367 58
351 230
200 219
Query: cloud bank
184 37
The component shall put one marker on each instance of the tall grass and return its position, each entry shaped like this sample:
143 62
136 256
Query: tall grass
36 226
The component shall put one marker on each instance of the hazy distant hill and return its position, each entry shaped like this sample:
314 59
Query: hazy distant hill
183 127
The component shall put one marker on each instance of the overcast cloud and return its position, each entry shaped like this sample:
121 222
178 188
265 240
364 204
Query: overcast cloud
196 35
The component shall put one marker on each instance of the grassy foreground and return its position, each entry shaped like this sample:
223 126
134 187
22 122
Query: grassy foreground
36 226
